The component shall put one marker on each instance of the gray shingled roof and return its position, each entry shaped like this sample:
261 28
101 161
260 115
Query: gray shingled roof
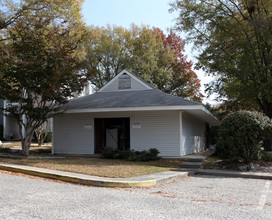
140 98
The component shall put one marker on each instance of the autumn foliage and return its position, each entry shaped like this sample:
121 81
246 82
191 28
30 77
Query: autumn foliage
185 81
155 57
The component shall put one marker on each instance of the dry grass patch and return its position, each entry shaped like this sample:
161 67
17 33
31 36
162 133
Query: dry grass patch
99 167
209 161
34 146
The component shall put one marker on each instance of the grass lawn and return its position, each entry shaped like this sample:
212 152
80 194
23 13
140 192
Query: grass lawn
99 167
34 146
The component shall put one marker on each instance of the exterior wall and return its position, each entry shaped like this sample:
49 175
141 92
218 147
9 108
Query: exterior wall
71 135
148 129
11 129
159 129
135 85
193 134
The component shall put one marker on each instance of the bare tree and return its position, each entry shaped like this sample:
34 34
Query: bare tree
41 133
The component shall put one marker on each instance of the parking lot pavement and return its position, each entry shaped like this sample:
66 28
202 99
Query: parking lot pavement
198 197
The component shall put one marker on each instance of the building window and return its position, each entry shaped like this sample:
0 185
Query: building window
124 82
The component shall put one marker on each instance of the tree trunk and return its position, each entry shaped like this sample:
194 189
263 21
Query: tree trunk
25 147
26 141
39 139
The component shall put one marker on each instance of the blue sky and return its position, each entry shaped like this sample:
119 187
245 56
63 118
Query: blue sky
125 12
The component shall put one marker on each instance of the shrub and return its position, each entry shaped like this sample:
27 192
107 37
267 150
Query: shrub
151 154
266 156
43 151
241 135
110 153
5 150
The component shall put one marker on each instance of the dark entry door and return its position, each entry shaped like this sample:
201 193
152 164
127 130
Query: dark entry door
112 131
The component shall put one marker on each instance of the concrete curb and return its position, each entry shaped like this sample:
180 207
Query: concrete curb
251 175
142 181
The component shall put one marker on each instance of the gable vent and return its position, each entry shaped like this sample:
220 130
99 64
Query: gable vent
124 82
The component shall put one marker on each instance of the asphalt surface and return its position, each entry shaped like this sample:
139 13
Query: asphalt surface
198 197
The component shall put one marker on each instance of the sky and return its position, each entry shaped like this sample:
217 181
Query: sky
147 12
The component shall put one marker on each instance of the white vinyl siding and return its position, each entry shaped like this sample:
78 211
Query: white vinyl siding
193 134
158 129
71 135
135 85
11 129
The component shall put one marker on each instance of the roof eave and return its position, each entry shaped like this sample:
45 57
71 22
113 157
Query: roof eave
212 120
142 108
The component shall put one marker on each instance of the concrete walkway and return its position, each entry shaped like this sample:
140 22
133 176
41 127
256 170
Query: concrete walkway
201 155
193 161
141 181
227 173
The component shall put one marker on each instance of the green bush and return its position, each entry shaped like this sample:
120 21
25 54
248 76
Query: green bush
5 150
266 156
151 154
241 135
110 153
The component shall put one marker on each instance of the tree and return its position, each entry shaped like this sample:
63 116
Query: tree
41 63
184 81
235 37
41 133
9 13
147 52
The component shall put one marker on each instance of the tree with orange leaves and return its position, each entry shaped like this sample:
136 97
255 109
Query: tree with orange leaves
147 52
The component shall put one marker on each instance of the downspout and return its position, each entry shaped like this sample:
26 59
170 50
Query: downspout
4 120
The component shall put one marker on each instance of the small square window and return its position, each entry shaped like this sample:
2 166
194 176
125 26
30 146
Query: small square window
124 82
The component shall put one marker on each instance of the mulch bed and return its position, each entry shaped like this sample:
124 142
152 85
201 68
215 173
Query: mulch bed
259 166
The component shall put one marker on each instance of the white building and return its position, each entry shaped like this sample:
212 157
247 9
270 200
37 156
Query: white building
9 129
128 113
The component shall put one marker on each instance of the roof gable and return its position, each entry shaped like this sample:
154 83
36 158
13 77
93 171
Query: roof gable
125 81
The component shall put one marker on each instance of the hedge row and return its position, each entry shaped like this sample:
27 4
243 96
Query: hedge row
151 154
